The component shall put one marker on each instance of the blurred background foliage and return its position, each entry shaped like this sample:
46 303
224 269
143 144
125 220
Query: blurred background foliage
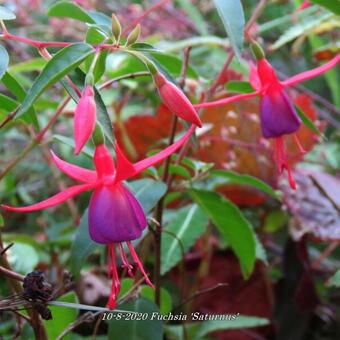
244 242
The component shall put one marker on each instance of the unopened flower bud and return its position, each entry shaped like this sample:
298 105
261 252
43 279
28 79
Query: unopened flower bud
116 27
84 118
133 36
257 51
175 100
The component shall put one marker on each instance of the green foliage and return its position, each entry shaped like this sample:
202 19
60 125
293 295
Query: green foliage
232 225
181 233
62 63
6 14
333 6
335 279
199 330
235 178
231 13
62 317
239 86
308 122
69 9
129 328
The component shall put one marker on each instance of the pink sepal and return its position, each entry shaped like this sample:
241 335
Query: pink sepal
74 171
54 200
227 100
147 162
311 73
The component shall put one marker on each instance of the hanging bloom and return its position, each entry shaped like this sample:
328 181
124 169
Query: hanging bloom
84 118
175 100
277 113
114 216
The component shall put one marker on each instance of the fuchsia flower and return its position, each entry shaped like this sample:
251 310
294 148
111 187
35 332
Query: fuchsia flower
175 100
115 215
84 118
277 113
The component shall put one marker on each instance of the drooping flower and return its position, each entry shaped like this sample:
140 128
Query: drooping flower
114 216
277 112
175 100
84 118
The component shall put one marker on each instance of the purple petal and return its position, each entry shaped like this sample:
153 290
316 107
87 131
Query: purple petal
115 215
278 115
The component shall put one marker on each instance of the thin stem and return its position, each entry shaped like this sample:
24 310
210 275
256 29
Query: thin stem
125 76
11 274
167 179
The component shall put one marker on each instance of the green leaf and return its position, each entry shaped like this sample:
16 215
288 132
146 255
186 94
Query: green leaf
199 330
35 64
239 86
187 226
179 170
136 329
7 104
148 192
335 279
62 63
82 246
275 220
95 36
231 13
308 123
4 60
239 322
6 14
69 10
331 5
2 221
99 68
231 223
235 178
166 302
22 257
169 62
195 15
144 47
62 317
19 93
302 26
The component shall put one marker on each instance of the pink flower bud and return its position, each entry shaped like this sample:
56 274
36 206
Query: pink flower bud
84 118
176 101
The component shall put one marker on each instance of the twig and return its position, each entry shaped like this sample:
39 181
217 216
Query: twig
124 76
87 317
6 248
11 274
